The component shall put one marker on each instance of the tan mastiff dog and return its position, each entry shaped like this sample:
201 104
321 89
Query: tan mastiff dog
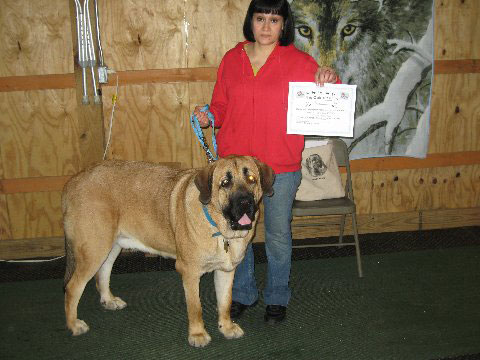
203 218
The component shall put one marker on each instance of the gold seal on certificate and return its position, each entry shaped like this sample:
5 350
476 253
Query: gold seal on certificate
326 111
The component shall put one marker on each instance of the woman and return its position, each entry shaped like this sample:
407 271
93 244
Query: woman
249 103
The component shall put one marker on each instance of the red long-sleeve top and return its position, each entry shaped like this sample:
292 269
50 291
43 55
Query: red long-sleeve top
251 111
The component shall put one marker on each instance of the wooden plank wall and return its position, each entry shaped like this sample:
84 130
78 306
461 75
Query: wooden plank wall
165 54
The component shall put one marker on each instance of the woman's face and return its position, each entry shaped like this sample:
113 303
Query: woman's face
267 28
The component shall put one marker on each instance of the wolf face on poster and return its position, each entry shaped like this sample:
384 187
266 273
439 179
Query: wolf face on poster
385 47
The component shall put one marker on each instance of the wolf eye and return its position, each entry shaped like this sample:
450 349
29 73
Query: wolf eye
305 31
348 30
251 179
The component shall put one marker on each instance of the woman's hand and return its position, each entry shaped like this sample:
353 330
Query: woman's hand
324 75
202 117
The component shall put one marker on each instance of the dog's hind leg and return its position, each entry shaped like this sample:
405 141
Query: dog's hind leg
87 263
73 292
223 289
102 277
84 271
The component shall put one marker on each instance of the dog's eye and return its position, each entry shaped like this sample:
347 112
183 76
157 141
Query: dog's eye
251 179
225 183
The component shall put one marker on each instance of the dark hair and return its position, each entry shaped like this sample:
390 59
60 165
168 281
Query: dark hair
275 7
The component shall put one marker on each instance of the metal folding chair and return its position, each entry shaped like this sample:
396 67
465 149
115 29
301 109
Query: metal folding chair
340 206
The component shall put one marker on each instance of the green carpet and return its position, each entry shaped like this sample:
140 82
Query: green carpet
410 305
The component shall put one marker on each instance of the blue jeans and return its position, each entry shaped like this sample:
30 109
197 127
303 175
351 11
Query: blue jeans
278 247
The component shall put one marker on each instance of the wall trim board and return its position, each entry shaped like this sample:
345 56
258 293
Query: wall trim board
65 81
35 184
37 82
401 163
45 183
163 76
457 66
56 183
374 223
32 248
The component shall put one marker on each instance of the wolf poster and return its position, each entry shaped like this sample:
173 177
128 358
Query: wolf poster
385 47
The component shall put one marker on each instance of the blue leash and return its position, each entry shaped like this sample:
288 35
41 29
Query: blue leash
199 133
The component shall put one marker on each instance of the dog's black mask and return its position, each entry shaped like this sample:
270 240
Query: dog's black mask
239 205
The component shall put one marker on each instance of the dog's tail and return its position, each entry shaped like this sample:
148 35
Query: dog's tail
70 268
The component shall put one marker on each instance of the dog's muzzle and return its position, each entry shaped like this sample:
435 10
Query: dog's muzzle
240 211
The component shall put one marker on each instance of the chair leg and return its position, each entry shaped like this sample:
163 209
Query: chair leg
342 229
357 245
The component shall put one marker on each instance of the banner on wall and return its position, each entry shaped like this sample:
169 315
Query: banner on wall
385 47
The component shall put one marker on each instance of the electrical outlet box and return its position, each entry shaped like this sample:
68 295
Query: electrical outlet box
102 75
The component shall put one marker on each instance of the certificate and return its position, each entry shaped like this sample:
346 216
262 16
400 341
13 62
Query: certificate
326 111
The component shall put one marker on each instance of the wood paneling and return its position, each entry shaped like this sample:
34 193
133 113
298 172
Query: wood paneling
32 248
88 110
40 135
426 189
5 232
307 228
35 37
166 54
2 175
456 29
362 191
362 173
397 191
134 77
200 94
444 219
144 34
35 215
410 221
455 115
461 186
214 27
150 123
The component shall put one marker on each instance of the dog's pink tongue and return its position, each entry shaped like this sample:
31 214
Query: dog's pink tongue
244 220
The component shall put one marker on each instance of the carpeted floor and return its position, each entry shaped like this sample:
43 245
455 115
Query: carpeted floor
419 299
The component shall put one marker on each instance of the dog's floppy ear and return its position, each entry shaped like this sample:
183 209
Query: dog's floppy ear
267 176
203 182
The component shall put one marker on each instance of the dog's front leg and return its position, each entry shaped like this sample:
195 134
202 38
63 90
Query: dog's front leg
223 289
197 335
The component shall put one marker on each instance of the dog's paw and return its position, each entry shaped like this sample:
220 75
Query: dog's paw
231 331
115 303
79 327
199 340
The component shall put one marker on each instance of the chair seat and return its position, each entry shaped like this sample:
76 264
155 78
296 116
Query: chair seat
338 206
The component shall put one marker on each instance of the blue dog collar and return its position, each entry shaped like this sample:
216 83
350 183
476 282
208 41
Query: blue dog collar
210 220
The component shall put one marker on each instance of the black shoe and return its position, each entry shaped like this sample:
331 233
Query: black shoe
275 313
237 309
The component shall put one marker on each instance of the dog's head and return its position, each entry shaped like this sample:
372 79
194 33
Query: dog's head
235 185
315 165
